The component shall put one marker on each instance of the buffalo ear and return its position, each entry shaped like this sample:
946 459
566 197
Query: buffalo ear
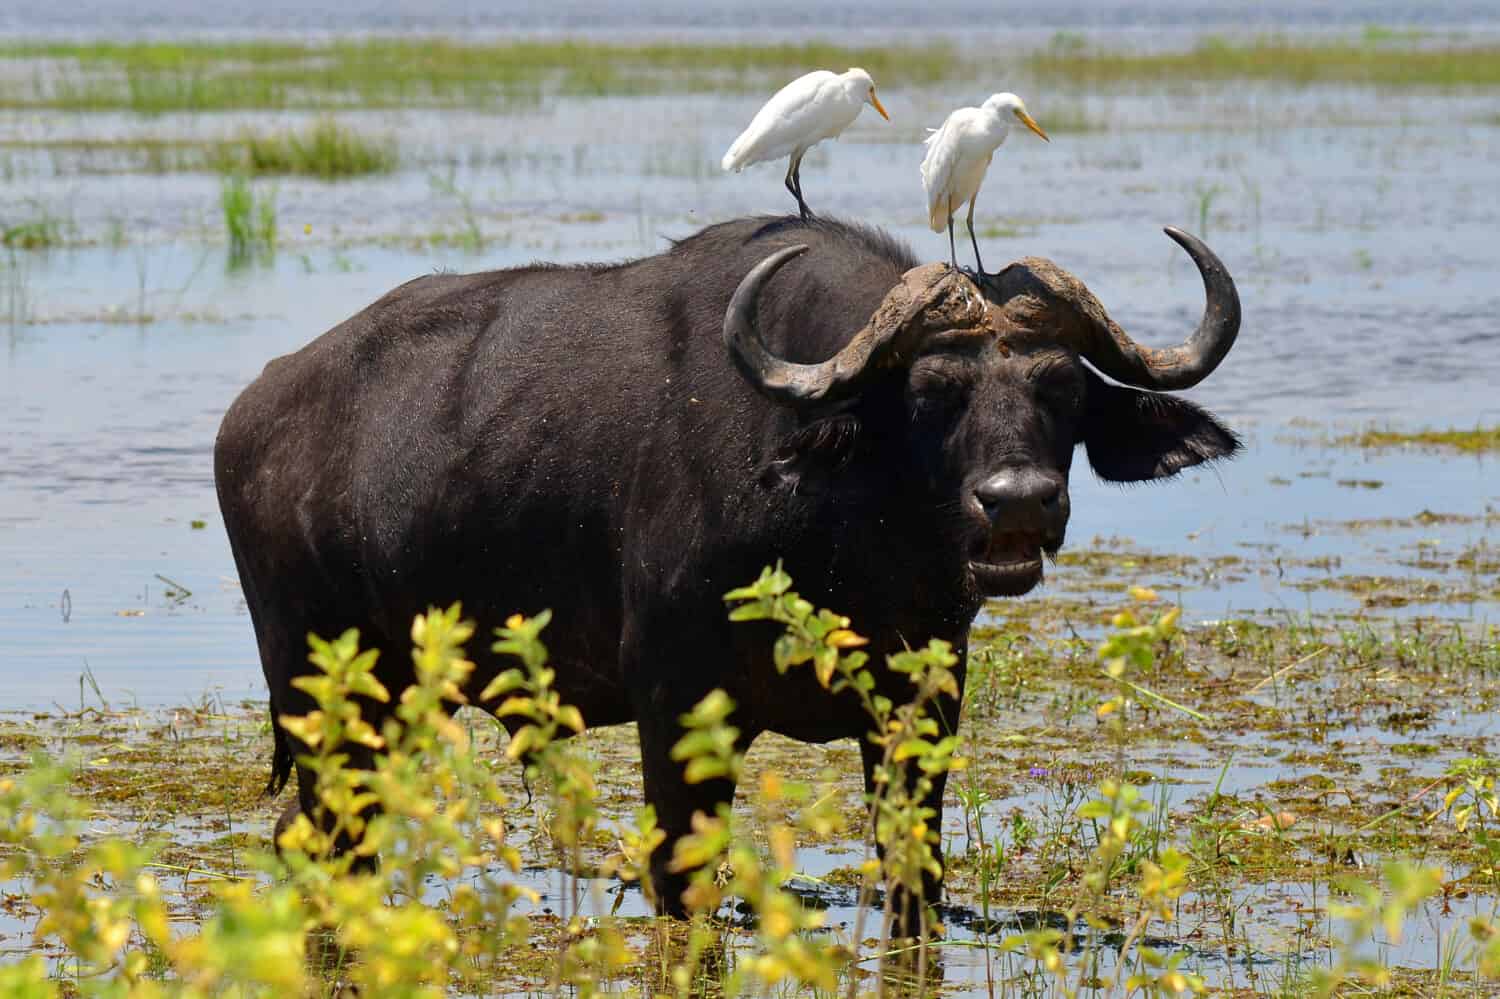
1134 436
807 459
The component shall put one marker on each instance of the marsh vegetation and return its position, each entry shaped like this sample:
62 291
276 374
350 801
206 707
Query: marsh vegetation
1235 774
162 77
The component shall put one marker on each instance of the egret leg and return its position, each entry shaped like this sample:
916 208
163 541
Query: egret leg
796 176
795 186
952 252
974 239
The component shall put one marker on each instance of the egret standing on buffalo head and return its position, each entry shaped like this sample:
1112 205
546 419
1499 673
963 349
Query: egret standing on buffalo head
803 113
959 153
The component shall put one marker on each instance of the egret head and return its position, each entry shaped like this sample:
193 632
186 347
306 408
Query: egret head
1010 104
861 84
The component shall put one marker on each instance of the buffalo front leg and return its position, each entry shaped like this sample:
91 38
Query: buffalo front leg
345 829
676 802
308 803
907 909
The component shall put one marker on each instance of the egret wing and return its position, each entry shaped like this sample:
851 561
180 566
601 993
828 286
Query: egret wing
789 121
943 150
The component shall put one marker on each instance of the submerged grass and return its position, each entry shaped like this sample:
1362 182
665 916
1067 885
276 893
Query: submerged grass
1321 749
31 234
249 220
201 76
1480 440
1368 61
34 227
156 77
327 150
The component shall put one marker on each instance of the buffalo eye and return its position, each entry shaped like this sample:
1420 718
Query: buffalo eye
936 389
1061 388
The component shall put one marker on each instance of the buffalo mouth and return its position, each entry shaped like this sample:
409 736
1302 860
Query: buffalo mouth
1010 565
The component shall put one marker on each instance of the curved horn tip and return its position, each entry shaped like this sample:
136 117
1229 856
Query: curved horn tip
786 253
1181 237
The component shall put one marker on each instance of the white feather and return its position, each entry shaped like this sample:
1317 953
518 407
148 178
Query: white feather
959 153
811 108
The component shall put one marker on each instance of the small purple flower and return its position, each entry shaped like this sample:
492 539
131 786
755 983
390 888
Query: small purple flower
1040 772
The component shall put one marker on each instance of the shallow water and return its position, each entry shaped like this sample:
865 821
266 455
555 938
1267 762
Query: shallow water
720 18
1362 247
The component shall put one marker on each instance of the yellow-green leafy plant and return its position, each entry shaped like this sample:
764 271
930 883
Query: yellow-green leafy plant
445 910
913 749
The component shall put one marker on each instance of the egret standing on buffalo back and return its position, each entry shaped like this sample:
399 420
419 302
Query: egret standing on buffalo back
803 113
959 153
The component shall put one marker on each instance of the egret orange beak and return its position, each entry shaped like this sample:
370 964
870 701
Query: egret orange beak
1030 123
875 103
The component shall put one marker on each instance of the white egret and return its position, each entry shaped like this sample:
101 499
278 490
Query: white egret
803 113
959 153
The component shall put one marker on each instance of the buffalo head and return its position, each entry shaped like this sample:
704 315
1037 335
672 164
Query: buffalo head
980 393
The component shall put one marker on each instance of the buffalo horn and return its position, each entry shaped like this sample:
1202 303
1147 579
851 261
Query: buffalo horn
1110 349
898 320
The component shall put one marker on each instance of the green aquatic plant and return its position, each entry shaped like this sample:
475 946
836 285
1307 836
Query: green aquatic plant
1365 61
249 220
326 150
36 234
469 237
35 227
1478 440
448 910
157 77
201 75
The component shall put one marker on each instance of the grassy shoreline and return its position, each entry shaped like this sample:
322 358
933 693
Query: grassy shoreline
158 77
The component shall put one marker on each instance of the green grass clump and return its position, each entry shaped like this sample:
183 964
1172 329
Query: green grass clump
1477 441
38 228
249 220
159 77
32 234
327 151
156 77
1275 58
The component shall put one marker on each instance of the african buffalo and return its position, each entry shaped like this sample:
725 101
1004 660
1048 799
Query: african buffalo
624 443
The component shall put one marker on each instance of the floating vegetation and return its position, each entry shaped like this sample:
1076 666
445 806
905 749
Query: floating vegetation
39 229
327 150
1368 61
1477 441
159 77
1236 795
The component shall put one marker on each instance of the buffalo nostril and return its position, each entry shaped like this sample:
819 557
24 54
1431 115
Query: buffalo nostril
996 492
1018 493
